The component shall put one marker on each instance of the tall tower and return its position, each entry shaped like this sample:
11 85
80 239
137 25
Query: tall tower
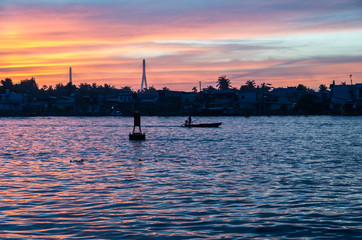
144 81
70 76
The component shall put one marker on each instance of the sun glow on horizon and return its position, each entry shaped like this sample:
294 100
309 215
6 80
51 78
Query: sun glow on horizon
106 42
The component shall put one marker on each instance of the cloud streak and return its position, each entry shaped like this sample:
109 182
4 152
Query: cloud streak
280 41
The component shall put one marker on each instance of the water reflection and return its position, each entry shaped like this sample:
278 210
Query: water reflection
274 177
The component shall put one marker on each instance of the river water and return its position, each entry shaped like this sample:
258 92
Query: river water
251 178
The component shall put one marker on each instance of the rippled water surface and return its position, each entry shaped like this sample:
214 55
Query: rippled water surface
252 178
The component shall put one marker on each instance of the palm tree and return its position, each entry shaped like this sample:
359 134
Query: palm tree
266 86
223 83
209 89
249 86
194 89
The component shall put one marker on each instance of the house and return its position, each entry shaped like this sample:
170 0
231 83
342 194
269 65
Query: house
191 102
346 99
169 102
63 104
220 102
126 97
121 104
146 101
357 92
283 99
13 102
41 104
224 98
148 97
248 102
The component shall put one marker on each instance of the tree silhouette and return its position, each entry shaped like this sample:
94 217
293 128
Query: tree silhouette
249 86
209 89
151 89
223 83
28 86
126 89
322 88
7 84
265 87
304 89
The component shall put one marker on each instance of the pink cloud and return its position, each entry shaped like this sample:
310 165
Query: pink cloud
183 44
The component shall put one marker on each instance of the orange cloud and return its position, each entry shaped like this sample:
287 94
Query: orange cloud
105 43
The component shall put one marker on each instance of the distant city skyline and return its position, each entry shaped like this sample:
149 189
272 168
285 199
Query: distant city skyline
281 42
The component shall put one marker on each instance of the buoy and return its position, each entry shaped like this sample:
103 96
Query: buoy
137 135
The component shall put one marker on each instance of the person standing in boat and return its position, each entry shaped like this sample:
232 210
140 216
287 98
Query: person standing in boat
188 121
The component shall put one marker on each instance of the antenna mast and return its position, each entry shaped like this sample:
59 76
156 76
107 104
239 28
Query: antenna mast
70 75
144 81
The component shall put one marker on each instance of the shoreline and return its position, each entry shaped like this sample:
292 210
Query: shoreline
175 115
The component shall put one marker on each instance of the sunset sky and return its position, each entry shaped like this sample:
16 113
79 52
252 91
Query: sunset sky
282 42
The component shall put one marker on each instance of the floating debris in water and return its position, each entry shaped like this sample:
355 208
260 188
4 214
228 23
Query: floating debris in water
77 161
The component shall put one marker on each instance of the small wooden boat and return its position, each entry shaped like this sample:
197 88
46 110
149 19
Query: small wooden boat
203 125
189 123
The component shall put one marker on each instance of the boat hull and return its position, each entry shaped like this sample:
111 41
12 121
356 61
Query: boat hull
203 125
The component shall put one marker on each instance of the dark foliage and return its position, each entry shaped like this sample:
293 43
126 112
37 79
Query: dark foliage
223 83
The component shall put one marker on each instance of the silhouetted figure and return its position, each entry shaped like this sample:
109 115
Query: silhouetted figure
188 121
